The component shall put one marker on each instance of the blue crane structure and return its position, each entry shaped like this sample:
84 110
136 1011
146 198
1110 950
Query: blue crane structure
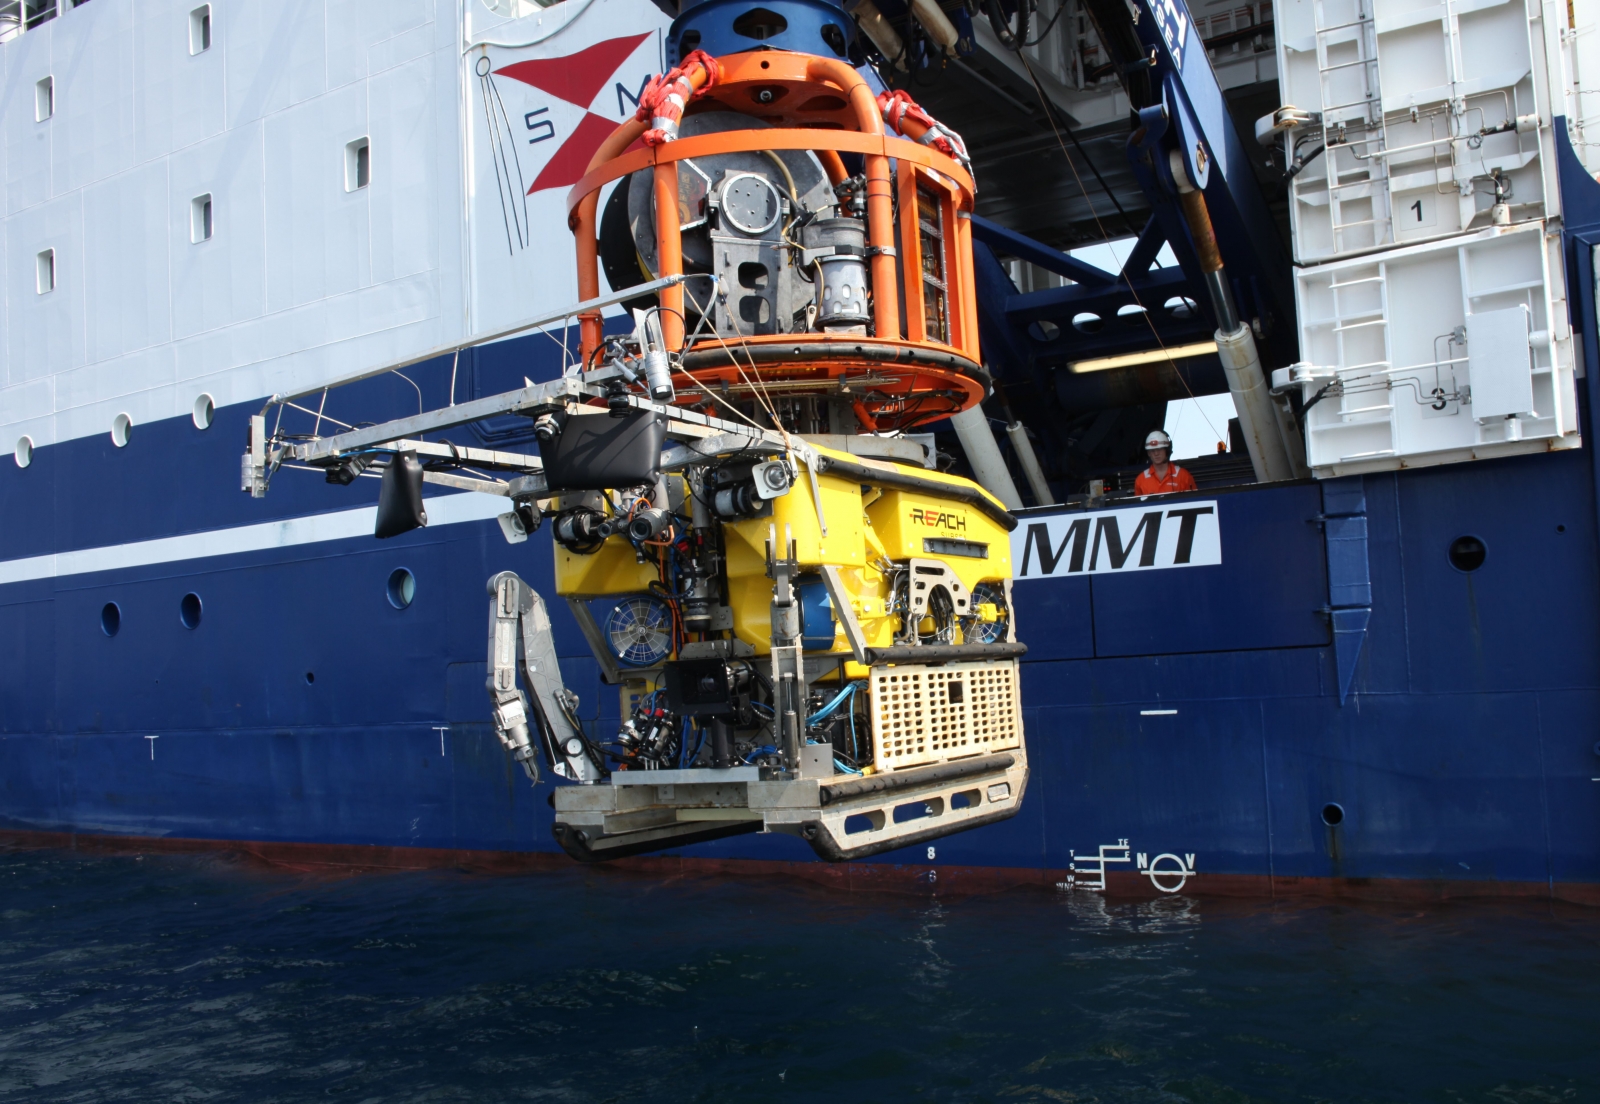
1181 111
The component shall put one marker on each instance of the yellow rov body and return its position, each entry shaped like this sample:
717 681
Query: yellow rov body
899 586
806 639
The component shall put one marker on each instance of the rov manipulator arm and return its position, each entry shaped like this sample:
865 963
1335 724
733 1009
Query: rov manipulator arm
548 718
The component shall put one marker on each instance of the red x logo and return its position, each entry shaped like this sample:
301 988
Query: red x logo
577 79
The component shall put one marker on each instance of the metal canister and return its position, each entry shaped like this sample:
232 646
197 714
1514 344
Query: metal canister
842 271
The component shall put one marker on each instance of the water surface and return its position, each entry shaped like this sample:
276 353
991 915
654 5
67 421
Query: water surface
168 978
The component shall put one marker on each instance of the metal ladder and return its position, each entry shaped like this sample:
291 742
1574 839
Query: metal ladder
1352 172
1367 397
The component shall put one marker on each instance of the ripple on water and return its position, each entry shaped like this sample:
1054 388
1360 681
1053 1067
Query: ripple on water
193 978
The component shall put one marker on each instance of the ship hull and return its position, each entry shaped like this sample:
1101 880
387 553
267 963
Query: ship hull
1189 730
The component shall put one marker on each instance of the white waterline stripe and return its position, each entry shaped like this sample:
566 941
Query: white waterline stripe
1158 712
341 525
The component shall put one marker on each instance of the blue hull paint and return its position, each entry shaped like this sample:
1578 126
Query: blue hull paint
1465 752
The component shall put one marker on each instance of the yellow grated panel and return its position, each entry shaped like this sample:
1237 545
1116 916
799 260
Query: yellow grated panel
924 715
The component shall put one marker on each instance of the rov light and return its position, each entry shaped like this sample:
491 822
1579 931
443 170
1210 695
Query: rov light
742 500
581 530
1153 356
649 525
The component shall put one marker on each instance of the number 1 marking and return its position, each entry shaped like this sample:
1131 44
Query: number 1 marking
1417 207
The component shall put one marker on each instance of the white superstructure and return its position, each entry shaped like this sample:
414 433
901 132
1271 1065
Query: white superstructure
1426 217
234 199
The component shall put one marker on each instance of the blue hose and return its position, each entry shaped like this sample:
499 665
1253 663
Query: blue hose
839 699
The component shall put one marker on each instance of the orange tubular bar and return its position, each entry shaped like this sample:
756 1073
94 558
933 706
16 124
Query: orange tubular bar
880 207
729 141
582 222
906 372
665 97
968 305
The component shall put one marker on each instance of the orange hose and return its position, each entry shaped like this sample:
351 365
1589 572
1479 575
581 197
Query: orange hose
590 326
833 165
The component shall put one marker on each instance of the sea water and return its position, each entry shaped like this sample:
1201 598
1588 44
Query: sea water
162 978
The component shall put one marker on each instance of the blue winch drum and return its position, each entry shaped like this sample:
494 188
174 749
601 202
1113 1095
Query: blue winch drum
722 27
817 625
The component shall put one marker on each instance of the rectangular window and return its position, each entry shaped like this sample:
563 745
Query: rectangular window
357 164
45 271
35 12
200 30
935 293
200 218
44 99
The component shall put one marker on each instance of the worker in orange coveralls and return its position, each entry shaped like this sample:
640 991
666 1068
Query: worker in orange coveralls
1162 476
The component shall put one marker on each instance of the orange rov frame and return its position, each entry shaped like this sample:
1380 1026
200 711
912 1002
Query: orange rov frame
921 361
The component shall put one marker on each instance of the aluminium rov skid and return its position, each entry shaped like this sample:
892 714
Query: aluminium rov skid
843 817
643 811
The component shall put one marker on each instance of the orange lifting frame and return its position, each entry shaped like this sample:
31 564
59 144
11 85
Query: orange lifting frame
784 72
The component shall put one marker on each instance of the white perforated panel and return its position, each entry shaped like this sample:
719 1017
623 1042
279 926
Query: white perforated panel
924 715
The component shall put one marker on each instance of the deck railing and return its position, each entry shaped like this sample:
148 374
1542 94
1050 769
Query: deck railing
18 16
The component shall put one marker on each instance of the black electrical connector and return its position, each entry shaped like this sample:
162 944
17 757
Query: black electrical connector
348 470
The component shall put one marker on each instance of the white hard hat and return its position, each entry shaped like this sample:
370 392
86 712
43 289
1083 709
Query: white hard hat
1158 439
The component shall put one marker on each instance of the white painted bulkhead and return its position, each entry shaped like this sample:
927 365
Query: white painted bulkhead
1430 287
305 278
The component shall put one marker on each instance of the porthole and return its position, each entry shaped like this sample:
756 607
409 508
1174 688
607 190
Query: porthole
1044 330
1088 322
189 610
1467 554
205 408
1332 814
1131 314
311 677
1180 307
24 453
110 619
121 426
402 588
